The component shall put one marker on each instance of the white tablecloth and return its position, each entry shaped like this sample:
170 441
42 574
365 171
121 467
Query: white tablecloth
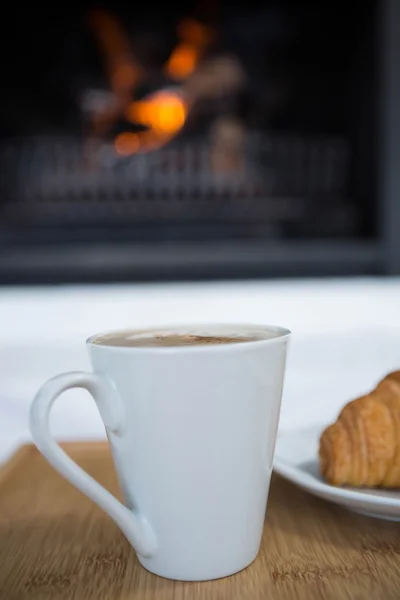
346 334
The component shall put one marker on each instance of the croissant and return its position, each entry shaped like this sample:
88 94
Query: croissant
362 448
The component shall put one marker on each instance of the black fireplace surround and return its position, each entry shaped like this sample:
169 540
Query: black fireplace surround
200 140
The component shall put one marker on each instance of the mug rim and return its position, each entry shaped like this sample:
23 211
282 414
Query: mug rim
282 333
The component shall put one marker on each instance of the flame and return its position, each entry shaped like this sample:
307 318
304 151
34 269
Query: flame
123 72
182 61
184 58
163 113
126 143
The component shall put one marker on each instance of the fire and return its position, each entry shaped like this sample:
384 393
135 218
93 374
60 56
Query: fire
164 112
184 58
124 73
182 61
126 143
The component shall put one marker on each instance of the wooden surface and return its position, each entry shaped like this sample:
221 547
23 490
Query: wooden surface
55 544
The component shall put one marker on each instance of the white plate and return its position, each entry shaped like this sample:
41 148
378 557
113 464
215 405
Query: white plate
296 459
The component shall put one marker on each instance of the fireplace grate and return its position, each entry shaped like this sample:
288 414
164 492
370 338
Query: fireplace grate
274 179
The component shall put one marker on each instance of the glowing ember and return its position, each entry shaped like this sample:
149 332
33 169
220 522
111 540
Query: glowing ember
126 143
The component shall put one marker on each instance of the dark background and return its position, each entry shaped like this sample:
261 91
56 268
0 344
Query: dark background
314 120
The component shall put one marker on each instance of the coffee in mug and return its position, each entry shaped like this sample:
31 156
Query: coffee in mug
166 339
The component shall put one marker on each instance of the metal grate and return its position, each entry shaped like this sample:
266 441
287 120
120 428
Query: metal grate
279 178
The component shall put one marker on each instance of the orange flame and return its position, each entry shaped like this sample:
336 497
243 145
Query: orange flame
124 73
186 55
126 143
164 112
182 61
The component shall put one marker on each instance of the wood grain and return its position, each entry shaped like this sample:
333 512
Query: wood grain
56 544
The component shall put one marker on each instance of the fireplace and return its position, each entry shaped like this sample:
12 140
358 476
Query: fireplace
202 141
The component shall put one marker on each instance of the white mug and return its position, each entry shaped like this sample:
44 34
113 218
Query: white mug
192 431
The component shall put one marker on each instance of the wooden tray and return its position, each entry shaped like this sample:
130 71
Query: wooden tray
56 544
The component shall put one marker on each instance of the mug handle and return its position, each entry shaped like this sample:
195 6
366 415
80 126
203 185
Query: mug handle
111 409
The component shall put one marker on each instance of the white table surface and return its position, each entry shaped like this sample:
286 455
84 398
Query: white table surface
346 335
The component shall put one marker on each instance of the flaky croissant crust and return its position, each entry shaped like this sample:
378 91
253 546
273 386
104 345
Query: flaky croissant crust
362 448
